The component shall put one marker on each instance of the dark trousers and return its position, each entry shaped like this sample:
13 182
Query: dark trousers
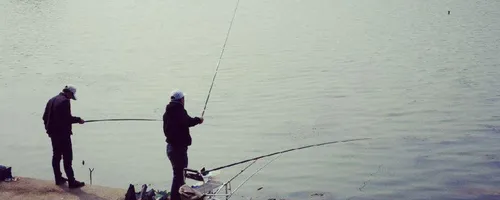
62 147
179 160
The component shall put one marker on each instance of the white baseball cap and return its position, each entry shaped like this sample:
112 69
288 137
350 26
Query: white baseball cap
71 89
176 95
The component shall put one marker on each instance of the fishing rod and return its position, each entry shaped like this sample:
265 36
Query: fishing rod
220 58
205 172
106 120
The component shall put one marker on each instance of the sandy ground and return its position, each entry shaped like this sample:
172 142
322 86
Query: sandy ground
28 188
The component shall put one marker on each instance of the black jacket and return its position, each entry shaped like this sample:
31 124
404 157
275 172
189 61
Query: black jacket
176 123
57 117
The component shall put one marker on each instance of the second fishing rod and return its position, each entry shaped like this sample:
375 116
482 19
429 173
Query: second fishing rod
211 86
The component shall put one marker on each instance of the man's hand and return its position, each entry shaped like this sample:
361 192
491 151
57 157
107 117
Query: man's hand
201 120
81 121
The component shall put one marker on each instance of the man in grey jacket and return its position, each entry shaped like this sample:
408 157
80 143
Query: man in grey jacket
58 122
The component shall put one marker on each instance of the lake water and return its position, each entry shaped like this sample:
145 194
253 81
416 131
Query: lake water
423 84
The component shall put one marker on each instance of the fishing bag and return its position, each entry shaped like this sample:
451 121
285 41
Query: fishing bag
5 173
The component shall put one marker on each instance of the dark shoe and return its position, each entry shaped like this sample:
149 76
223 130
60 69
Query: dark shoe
61 181
75 184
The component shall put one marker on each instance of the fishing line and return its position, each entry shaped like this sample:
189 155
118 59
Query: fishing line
220 58
105 120
281 152
248 178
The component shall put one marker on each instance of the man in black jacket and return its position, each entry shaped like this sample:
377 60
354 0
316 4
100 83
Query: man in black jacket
176 124
58 124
